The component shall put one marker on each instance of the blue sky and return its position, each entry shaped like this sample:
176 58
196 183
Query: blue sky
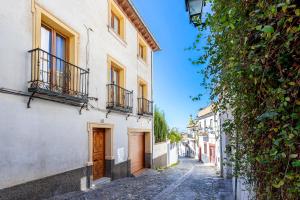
175 78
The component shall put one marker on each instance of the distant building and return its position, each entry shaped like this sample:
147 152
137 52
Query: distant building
210 138
187 146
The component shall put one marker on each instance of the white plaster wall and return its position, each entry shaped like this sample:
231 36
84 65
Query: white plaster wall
51 138
182 150
172 154
227 168
160 149
242 191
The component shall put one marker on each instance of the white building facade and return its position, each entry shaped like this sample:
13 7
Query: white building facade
208 127
211 139
75 95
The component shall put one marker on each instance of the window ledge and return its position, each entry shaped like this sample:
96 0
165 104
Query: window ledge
117 36
142 60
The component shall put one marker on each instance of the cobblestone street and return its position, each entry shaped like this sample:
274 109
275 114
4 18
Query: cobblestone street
189 180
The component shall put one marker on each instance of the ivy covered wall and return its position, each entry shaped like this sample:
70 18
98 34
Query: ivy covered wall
253 51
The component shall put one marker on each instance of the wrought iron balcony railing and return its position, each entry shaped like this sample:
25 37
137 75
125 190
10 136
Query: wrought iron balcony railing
119 98
145 107
57 78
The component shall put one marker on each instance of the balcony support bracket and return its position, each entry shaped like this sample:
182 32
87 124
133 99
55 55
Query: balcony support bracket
107 113
140 116
127 116
84 105
29 100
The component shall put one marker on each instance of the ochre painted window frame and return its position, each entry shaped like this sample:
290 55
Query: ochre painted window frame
115 10
142 43
54 32
42 16
111 62
145 88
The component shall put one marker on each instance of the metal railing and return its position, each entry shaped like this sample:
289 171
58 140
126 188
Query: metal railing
55 77
145 107
119 98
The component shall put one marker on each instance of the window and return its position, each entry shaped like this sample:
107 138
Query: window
115 75
53 36
52 68
205 148
142 49
142 52
211 123
57 45
117 20
116 81
141 91
115 23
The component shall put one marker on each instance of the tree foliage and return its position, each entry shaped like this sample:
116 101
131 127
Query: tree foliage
160 126
253 55
174 136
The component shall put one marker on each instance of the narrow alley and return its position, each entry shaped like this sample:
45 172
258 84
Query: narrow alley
188 180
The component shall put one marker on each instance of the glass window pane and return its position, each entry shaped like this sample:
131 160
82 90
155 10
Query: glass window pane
116 24
60 52
46 39
60 64
45 57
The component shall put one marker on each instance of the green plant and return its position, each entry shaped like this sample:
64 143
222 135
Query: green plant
174 136
253 56
160 126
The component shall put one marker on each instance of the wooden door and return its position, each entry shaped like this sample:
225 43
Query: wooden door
98 153
137 152
212 153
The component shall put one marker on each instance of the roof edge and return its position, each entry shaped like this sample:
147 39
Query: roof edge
129 9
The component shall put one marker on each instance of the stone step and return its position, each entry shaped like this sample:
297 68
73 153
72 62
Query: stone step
98 183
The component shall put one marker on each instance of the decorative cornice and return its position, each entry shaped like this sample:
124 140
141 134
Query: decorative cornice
133 15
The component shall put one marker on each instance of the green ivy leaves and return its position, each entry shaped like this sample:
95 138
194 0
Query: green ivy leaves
268 29
296 163
279 184
254 70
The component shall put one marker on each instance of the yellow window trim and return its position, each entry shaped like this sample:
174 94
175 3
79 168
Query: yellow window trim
141 41
113 7
145 88
40 15
112 61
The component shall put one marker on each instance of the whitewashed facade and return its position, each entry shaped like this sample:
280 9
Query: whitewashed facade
211 138
51 140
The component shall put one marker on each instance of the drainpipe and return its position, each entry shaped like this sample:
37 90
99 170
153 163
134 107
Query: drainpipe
153 137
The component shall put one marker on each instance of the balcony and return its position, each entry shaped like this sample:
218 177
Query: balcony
57 79
119 99
145 107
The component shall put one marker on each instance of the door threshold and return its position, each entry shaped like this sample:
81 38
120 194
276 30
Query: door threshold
139 172
97 183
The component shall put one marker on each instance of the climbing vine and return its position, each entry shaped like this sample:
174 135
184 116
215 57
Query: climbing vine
253 56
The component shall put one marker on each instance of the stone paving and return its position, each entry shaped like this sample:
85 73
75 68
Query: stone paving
189 180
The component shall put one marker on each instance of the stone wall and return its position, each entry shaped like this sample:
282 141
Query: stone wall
160 154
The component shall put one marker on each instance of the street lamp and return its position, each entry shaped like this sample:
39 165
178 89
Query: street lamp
195 7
